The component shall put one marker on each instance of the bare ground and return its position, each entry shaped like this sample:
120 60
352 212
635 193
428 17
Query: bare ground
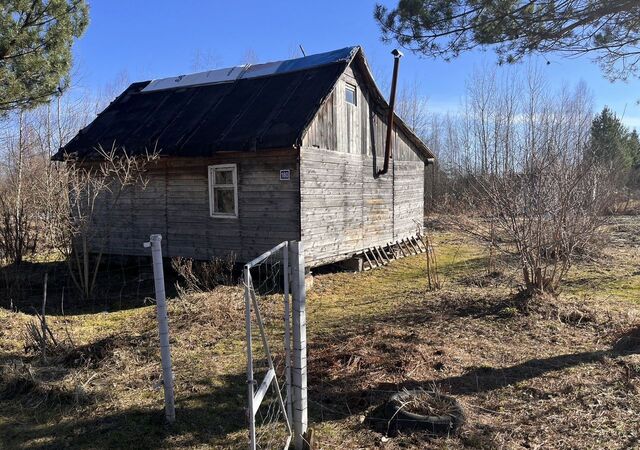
565 375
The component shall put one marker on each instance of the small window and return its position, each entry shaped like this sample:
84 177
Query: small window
350 94
223 190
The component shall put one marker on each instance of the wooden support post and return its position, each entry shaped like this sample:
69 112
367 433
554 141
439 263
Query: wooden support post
368 260
417 241
375 258
426 247
401 249
380 255
403 244
412 246
299 363
389 251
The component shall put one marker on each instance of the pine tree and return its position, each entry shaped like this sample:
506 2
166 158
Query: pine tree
36 37
634 148
611 141
605 29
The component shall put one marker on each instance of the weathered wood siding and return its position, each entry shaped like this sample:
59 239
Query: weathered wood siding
345 206
175 203
335 201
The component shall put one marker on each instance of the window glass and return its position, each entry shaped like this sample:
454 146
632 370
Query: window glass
224 201
223 190
350 94
224 176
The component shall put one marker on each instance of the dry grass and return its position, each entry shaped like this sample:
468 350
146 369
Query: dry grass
428 403
564 375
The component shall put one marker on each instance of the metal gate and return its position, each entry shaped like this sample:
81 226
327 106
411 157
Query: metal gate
269 411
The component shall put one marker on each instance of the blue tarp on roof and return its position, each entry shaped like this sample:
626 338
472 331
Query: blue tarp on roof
344 54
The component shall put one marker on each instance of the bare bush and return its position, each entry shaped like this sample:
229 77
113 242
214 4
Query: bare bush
545 214
529 186
433 277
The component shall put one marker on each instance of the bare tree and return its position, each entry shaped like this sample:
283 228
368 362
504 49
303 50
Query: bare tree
204 60
28 139
85 189
412 108
18 192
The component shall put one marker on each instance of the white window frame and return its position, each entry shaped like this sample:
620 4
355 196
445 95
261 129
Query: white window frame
212 186
354 88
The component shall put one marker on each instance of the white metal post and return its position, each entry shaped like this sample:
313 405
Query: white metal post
299 365
287 330
251 417
155 242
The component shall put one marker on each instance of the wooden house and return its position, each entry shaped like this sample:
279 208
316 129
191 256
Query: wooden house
257 154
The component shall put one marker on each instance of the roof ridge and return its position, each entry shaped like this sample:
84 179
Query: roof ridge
235 73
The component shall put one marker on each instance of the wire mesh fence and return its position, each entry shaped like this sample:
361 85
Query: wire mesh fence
268 349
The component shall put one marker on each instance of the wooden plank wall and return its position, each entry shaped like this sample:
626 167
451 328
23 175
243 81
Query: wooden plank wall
175 204
408 197
345 206
338 205
331 195
346 209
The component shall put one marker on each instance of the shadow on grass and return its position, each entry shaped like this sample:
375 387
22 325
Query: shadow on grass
477 265
201 419
121 283
483 379
464 266
338 401
341 392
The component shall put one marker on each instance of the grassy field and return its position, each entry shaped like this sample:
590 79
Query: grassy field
565 375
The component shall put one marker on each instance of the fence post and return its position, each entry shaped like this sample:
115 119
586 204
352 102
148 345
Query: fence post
287 331
299 365
155 242
250 381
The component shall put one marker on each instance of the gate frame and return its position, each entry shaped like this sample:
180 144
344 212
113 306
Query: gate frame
296 382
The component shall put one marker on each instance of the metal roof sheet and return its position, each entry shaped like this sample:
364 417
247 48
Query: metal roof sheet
231 74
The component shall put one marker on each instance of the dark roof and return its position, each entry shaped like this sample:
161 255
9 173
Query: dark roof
261 107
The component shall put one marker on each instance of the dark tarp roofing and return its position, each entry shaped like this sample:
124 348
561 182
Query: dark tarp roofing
266 106
270 111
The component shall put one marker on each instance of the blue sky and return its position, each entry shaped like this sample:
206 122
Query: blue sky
160 38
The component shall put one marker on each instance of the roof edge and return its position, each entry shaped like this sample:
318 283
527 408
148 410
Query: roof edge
397 120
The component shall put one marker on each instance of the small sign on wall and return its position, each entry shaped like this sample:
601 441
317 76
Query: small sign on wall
285 175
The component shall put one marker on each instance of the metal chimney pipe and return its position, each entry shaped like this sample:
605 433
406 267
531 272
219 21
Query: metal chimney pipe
397 54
